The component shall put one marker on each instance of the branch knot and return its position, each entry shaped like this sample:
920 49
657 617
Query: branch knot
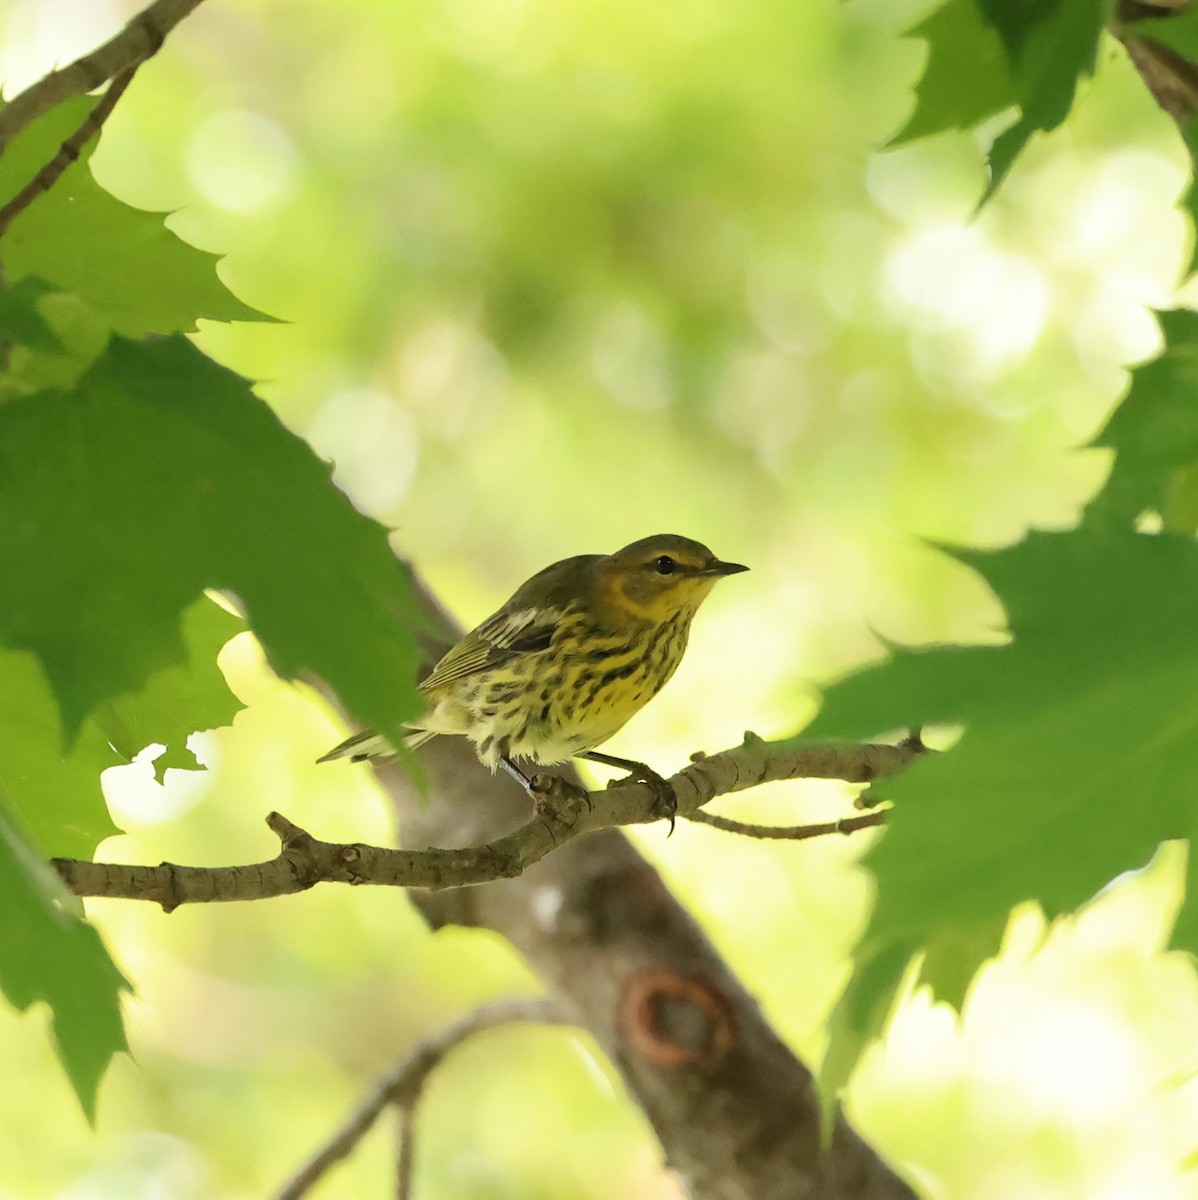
675 1020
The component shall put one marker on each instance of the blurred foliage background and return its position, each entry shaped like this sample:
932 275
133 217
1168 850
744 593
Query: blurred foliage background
557 274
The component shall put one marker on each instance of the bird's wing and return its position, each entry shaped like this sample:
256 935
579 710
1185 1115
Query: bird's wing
508 634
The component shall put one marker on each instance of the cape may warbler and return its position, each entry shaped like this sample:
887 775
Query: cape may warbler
580 648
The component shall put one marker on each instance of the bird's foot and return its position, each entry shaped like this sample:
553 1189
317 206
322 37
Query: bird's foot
665 800
544 785
557 802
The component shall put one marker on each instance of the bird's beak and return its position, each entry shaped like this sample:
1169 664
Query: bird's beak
723 568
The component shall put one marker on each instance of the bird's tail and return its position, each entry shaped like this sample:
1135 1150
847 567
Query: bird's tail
371 745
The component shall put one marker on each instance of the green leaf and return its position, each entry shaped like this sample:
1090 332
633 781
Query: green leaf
985 56
1079 753
1189 135
121 260
966 78
161 475
1154 432
21 321
49 953
1185 928
859 1017
179 700
81 332
949 961
1050 44
55 792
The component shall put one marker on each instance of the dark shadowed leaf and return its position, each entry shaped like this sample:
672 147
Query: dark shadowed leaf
22 322
1154 432
1050 45
161 475
966 78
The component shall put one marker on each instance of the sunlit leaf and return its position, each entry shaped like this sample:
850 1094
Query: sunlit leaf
179 700
860 1016
49 953
55 790
949 961
1092 703
121 260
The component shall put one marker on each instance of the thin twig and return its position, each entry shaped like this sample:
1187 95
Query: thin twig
403 1084
561 813
140 39
405 1150
1170 77
790 833
68 152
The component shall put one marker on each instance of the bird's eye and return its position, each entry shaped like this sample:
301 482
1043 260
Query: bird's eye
664 565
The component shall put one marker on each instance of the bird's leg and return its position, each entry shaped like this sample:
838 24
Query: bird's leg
515 772
550 794
639 772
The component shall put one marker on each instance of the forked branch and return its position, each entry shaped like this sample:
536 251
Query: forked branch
560 815
403 1085
140 39
68 152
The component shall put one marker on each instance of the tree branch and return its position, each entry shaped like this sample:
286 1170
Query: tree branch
790 833
68 152
736 1113
561 813
404 1083
141 38
1170 77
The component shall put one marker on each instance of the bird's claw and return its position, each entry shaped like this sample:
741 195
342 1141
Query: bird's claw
556 796
665 799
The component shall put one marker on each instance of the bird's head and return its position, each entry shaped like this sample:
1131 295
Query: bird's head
659 577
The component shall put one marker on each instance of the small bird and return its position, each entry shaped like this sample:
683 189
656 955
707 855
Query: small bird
578 650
